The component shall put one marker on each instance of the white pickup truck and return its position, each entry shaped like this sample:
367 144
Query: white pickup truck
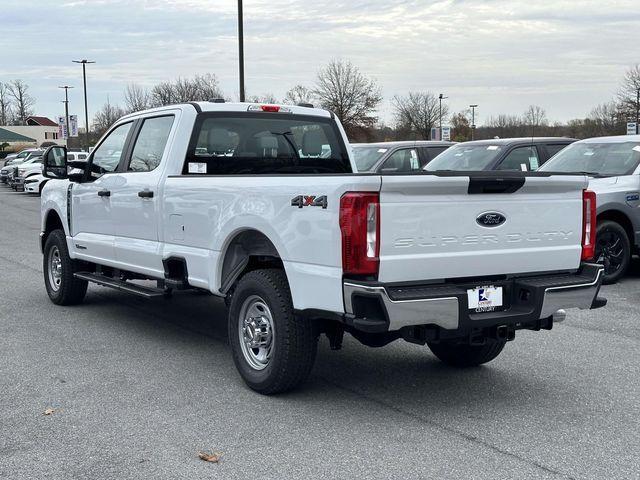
260 204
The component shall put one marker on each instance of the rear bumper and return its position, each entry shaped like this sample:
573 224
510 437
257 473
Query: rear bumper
528 301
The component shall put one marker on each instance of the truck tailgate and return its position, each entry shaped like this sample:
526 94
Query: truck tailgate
434 227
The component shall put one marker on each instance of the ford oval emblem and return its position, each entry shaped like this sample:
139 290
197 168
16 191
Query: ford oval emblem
490 219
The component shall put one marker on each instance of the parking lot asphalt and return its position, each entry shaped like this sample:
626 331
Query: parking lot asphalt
137 387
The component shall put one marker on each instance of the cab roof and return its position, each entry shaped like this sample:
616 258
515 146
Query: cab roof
612 139
511 141
239 107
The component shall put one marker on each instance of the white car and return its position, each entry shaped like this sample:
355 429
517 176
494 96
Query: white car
259 204
34 183
33 168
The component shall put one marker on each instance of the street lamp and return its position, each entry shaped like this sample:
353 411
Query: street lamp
66 110
86 113
441 97
241 50
473 118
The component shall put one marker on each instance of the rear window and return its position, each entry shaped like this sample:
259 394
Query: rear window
265 143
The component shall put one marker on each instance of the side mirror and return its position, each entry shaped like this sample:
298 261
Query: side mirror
54 163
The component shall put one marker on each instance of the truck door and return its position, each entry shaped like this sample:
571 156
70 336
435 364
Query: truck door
135 198
93 229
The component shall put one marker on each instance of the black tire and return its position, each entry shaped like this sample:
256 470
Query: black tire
292 342
613 250
464 355
62 287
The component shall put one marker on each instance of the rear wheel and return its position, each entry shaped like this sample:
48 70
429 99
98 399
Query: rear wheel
273 350
464 355
62 287
613 250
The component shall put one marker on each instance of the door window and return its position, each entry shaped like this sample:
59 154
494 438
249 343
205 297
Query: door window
521 158
405 160
150 144
107 156
554 148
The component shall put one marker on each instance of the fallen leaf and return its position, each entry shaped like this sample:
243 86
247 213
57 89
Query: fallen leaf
213 457
48 411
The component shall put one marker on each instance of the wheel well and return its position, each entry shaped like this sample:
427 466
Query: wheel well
53 223
622 219
249 250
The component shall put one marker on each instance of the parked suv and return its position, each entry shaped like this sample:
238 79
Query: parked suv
613 165
521 154
396 157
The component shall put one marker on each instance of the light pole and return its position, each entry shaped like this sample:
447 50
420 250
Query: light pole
86 112
66 110
241 50
473 118
441 97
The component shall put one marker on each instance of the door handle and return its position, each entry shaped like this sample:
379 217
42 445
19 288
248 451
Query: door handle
145 194
104 193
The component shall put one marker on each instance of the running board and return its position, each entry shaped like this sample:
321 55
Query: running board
122 285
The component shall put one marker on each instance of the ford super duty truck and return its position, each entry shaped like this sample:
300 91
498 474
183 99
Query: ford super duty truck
259 204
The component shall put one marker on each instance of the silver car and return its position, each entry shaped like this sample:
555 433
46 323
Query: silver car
613 165
397 157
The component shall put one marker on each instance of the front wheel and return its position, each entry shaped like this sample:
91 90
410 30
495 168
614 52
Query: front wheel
613 250
273 350
465 355
62 286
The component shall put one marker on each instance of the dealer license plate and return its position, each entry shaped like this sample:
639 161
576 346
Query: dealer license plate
484 299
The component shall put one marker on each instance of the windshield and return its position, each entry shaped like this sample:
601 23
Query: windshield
465 157
610 159
265 143
367 156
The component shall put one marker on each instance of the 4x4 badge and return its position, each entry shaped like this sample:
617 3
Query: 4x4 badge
309 201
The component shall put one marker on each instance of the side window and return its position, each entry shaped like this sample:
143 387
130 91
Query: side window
405 160
521 158
554 148
107 156
150 144
82 156
432 152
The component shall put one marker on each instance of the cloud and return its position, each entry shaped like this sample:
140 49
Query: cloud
504 55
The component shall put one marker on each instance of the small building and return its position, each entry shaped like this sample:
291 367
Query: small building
38 129
15 140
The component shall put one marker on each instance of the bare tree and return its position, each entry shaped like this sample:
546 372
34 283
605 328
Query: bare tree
207 87
136 98
264 98
5 104
22 101
353 97
461 126
106 116
608 118
629 93
298 94
162 94
185 90
535 117
418 112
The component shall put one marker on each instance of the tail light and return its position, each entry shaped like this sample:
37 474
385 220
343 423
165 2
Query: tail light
360 227
588 225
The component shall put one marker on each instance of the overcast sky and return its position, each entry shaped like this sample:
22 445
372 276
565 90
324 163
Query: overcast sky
504 55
